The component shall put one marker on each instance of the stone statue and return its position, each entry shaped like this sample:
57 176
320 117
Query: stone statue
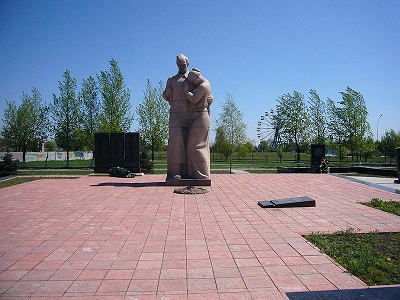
188 152
198 92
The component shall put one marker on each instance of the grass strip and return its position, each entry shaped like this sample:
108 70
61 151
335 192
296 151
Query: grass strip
373 257
392 207
20 180
16 180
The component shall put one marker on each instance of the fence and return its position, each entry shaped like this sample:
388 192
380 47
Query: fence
50 156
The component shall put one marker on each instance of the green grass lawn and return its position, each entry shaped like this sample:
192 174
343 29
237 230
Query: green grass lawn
373 257
392 207
16 180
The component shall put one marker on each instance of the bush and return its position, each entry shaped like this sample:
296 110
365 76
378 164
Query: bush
8 166
146 164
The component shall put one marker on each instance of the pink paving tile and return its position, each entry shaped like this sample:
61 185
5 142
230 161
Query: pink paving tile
53 288
225 235
84 286
13 275
23 289
173 273
174 286
258 283
288 282
201 285
146 274
231 284
113 287
200 273
65 274
37 275
92 274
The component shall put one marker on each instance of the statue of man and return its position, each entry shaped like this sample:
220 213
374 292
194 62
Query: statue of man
179 120
198 92
189 96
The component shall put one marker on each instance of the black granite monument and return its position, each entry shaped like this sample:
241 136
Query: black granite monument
117 150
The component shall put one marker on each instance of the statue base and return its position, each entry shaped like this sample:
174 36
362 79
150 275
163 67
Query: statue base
187 182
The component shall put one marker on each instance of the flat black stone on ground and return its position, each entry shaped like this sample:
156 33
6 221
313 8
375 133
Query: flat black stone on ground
288 202
378 293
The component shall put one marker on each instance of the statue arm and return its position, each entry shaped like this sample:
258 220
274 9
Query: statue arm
168 90
196 94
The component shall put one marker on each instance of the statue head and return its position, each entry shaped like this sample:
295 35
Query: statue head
194 76
182 62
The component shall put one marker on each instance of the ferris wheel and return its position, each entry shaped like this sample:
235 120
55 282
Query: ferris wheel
268 129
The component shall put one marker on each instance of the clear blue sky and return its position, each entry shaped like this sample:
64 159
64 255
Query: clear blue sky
256 50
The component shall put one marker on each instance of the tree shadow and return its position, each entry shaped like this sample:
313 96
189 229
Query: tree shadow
130 184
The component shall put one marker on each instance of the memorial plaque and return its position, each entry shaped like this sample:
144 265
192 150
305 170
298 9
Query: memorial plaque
117 150
317 154
288 202
102 152
132 154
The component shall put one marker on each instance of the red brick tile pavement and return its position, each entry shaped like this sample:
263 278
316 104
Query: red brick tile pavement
113 238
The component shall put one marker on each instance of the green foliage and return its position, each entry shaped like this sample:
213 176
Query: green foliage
263 146
66 115
115 113
49 146
153 118
27 124
90 113
373 257
348 123
293 119
245 148
221 145
388 143
317 118
392 207
17 180
8 166
280 152
231 129
146 164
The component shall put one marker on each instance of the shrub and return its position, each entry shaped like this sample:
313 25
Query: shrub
8 166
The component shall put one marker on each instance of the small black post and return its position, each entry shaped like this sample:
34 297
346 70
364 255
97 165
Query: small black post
398 165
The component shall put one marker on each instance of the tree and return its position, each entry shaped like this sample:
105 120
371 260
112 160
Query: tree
294 120
115 113
232 127
280 152
245 148
220 144
388 144
27 124
263 146
348 121
153 118
66 114
90 112
317 114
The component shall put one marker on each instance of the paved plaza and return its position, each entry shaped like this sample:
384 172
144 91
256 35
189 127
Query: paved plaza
99 237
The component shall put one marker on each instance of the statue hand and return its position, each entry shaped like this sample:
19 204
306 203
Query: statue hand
210 99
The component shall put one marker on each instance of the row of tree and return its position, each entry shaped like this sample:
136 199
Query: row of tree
295 124
72 117
298 122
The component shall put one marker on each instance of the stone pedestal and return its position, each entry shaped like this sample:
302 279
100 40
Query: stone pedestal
187 182
398 165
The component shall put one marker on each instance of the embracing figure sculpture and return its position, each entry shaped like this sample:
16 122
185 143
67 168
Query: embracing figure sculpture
189 96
